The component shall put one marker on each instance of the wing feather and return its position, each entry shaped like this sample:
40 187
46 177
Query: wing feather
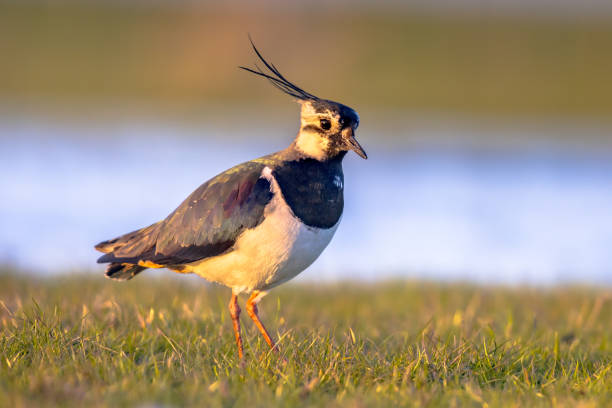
206 224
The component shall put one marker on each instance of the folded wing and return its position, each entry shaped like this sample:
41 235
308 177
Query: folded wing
206 224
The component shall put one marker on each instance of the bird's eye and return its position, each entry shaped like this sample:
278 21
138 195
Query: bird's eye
325 124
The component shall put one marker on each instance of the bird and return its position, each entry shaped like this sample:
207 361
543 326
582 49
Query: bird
260 223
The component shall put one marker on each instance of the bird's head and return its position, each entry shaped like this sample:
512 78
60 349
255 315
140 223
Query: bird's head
327 128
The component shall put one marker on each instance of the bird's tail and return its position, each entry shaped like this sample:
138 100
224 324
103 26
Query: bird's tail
123 271
132 242
125 254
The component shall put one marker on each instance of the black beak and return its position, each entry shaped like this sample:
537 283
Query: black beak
348 134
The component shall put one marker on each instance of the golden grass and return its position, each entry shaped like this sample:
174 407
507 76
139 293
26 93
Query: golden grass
83 341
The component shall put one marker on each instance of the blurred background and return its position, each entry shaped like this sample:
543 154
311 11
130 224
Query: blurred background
488 126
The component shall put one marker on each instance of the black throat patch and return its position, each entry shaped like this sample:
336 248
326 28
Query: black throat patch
314 190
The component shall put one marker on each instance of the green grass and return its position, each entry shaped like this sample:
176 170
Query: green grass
83 341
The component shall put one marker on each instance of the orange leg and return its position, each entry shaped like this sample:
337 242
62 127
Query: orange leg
251 306
235 313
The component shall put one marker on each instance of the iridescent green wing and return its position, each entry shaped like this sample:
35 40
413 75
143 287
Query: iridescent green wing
209 221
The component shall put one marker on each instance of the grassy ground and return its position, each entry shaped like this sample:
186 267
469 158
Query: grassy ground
84 341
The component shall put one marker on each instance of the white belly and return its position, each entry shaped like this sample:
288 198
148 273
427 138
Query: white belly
272 253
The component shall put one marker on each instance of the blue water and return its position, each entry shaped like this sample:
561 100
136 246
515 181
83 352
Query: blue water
519 215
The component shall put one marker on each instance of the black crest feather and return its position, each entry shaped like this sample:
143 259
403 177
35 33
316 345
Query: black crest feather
277 79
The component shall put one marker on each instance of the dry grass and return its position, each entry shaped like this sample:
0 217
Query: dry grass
83 341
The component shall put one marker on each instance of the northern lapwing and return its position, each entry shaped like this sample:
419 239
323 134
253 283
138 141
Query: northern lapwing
259 223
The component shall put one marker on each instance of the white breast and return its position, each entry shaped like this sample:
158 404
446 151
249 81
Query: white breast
272 253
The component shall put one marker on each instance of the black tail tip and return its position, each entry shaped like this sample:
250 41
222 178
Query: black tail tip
123 271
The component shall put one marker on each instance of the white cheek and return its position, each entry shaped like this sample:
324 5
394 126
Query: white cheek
312 145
